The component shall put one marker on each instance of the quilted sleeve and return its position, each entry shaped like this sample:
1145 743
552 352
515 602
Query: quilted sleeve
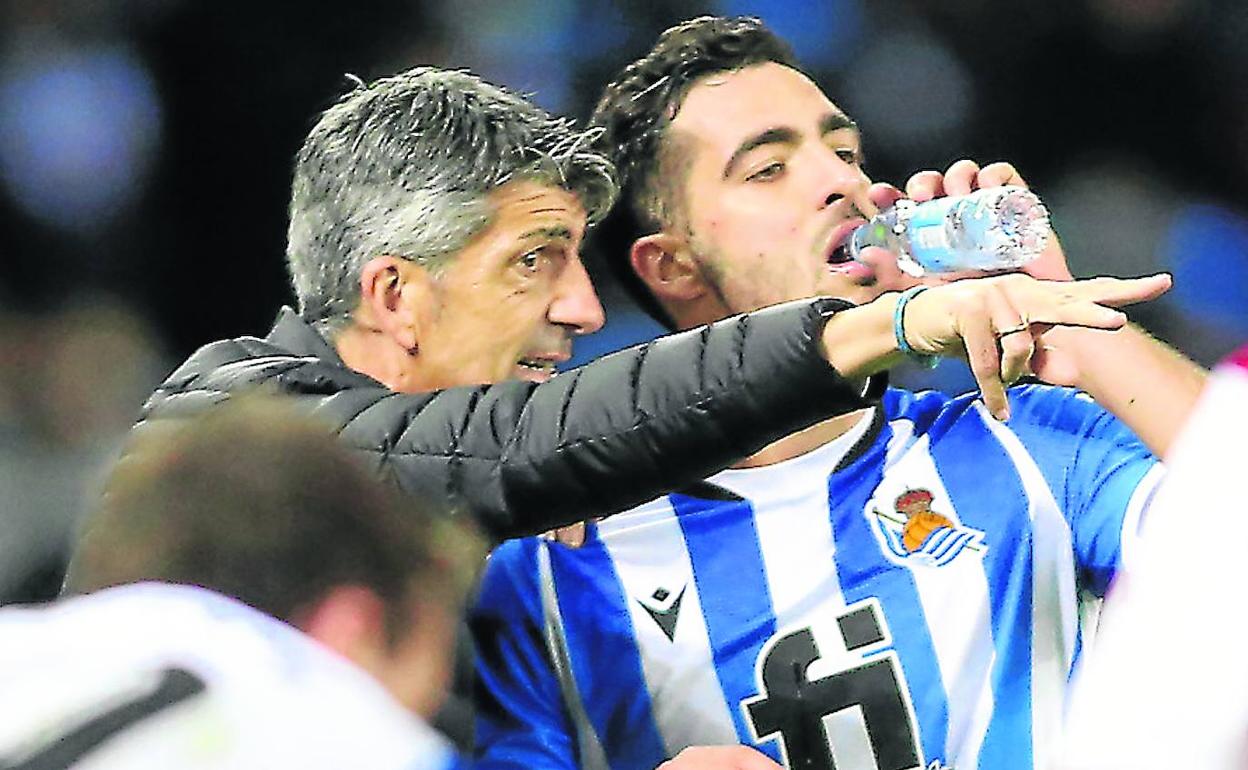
524 458
628 427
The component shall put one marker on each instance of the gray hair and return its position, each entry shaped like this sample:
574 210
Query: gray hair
402 167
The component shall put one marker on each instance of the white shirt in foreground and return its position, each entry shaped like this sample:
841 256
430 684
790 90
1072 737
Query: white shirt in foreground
169 676
1166 684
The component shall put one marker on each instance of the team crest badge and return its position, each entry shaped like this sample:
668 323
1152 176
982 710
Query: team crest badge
914 533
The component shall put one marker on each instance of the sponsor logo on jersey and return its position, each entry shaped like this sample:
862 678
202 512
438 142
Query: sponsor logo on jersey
912 533
856 711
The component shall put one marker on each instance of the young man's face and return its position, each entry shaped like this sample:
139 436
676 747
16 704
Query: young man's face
506 307
772 189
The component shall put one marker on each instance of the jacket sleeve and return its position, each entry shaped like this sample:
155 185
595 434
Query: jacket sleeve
525 458
629 427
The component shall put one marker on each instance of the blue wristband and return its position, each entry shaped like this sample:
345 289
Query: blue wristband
899 331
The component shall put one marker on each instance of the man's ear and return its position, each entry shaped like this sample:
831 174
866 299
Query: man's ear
666 265
349 619
392 291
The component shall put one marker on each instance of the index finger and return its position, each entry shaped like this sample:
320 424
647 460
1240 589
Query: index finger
1118 292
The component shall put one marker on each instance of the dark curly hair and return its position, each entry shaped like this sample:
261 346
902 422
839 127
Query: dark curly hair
639 104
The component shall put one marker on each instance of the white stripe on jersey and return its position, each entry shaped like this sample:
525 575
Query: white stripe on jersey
1055 610
795 534
1136 508
956 601
796 544
679 672
648 549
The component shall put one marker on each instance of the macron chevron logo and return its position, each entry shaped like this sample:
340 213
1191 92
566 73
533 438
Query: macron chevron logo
665 609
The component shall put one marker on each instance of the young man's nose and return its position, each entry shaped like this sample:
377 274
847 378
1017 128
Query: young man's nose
838 179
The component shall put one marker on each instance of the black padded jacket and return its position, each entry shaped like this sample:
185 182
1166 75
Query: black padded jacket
525 458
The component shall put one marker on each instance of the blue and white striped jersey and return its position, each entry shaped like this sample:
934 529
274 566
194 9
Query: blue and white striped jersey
906 596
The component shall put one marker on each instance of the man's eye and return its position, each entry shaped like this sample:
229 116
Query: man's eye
850 156
531 260
768 172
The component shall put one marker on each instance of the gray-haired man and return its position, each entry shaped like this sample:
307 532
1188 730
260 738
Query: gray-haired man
435 226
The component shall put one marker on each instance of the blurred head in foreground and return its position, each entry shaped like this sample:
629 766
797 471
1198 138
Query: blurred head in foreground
261 504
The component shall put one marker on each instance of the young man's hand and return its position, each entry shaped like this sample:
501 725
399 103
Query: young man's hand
963 177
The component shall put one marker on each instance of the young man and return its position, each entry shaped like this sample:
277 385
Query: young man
255 598
894 588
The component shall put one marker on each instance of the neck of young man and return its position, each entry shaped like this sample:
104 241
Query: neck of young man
794 444
808 440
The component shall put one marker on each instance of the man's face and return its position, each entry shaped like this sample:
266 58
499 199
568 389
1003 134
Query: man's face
506 307
772 189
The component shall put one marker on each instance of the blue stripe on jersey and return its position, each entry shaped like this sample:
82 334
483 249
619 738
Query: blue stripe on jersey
734 592
848 493
1050 422
1092 463
593 606
521 720
983 482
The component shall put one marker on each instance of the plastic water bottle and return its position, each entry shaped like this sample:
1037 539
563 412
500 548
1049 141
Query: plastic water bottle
999 228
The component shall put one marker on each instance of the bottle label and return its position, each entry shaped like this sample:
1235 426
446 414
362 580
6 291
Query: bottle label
932 237
929 235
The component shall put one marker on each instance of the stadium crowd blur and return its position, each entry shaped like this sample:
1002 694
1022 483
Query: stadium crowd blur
146 148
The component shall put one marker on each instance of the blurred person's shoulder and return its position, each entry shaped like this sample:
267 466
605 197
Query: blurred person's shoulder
193 677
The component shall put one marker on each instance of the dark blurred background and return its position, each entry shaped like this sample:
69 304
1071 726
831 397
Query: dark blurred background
146 145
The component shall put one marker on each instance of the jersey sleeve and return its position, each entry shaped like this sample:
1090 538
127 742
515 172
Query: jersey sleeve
1100 473
521 719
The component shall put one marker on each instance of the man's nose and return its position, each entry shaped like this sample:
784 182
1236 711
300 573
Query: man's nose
576 303
839 179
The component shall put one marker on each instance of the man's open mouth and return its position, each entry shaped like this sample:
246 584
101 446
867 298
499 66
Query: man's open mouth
838 255
838 241
538 365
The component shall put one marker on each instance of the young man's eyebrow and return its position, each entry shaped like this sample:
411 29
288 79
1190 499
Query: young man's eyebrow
834 121
837 121
769 136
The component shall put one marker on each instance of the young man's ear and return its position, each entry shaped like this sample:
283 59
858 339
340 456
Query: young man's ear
392 291
665 264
